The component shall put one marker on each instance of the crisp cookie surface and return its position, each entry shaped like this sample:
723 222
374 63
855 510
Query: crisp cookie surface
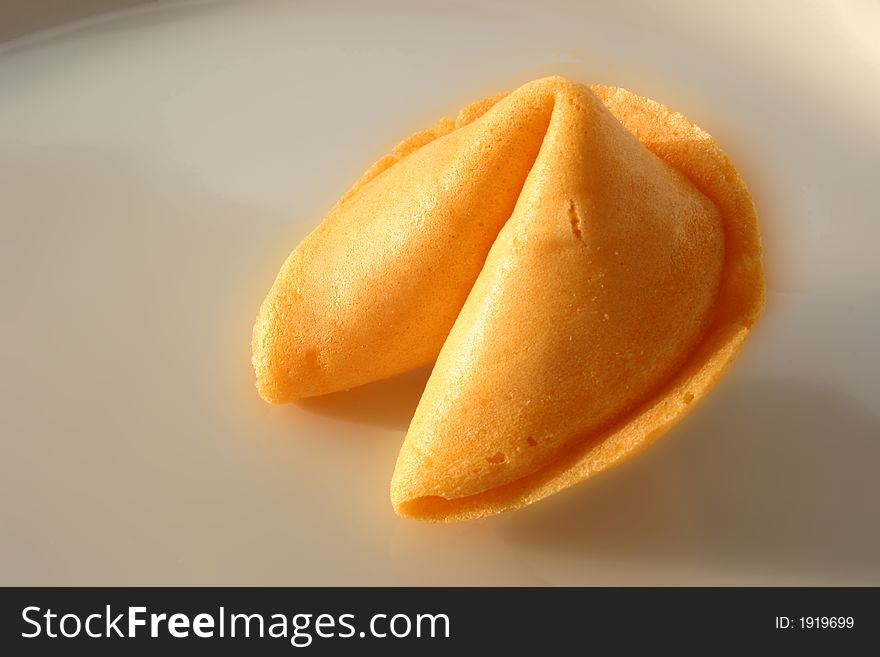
582 263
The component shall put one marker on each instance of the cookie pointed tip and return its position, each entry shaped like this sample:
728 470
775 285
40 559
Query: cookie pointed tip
270 368
429 508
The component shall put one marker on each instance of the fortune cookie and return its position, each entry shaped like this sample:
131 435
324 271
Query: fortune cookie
580 263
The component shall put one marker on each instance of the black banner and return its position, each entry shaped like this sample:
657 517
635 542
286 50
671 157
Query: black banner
117 621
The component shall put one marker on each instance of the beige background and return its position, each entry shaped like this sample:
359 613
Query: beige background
158 165
22 17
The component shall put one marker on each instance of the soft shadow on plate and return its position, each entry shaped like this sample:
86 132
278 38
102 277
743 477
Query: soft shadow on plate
768 477
389 404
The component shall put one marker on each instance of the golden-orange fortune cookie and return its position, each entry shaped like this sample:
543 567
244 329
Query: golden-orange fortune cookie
582 264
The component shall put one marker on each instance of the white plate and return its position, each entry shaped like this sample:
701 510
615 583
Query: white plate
157 166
